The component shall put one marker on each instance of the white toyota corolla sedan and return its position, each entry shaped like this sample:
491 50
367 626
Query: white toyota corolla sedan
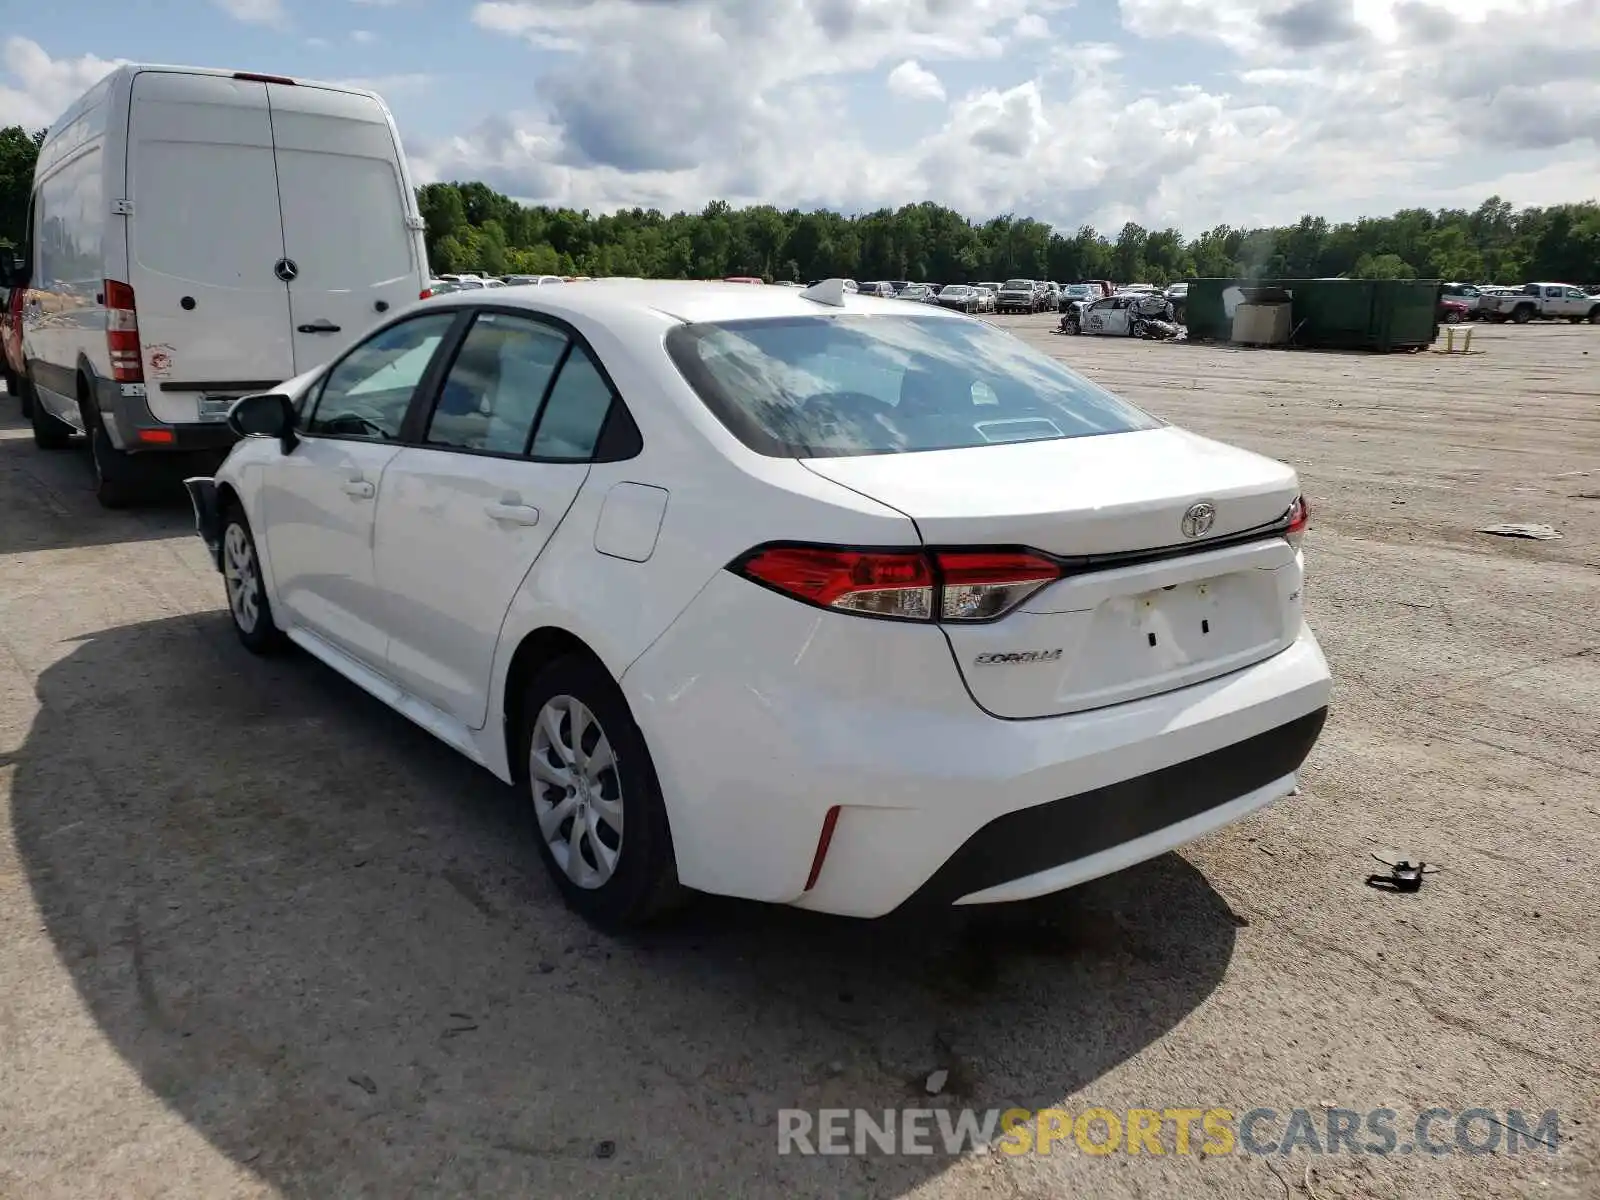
800 596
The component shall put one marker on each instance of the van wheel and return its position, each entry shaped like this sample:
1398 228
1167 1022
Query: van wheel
113 470
247 592
49 432
598 815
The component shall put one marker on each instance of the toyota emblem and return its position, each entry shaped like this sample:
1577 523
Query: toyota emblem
285 269
1198 519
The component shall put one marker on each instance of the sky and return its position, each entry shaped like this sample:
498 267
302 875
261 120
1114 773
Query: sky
1186 113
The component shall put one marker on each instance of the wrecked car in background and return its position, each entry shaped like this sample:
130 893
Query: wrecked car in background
1130 314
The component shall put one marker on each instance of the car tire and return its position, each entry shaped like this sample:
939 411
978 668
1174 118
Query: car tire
1452 317
248 606
49 432
615 878
114 473
1594 315
1522 316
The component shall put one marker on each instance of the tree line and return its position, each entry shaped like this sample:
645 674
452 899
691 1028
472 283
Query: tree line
471 227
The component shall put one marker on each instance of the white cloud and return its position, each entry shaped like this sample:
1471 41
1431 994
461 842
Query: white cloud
255 12
376 3
915 82
1338 107
36 89
363 37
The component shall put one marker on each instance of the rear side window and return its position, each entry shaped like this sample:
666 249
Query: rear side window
72 208
812 387
491 395
575 412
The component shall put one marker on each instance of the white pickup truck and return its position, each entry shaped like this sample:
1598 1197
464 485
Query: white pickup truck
1551 301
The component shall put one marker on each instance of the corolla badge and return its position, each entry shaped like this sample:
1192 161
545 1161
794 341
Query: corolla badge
1198 519
997 659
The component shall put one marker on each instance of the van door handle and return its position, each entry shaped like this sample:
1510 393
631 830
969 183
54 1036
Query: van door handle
513 514
319 327
360 489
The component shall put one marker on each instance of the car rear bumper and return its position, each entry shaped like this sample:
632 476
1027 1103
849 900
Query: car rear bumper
762 715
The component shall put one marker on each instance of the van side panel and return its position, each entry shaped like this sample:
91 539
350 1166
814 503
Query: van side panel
64 319
345 200
204 240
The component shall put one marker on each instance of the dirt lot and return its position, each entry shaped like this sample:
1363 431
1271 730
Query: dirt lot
260 936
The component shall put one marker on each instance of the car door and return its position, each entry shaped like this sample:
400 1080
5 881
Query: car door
1100 317
319 501
465 514
1574 302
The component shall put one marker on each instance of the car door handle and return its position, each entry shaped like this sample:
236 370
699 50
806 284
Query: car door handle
319 327
513 514
360 489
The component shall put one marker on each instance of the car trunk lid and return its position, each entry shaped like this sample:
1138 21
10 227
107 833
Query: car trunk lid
1174 566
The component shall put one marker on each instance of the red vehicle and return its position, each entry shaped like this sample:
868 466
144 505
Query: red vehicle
11 341
742 279
1453 312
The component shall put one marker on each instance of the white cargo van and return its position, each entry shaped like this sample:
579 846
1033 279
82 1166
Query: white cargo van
195 235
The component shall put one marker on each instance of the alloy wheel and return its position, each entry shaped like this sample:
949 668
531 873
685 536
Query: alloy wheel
577 791
242 577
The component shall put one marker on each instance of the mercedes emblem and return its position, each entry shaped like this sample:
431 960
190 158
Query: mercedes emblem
285 269
1198 519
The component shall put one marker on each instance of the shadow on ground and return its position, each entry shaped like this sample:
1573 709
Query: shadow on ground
47 498
325 941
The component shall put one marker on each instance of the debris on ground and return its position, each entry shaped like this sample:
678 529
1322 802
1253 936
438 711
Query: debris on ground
936 1081
1404 875
365 1084
1522 529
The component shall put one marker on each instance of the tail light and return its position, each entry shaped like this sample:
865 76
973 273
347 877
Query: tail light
1299 518
122 334
904 585
425 293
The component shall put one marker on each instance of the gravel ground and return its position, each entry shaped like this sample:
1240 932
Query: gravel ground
260 936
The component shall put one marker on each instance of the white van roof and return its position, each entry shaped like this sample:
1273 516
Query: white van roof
127 71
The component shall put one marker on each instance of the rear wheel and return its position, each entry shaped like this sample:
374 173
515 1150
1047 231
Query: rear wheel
114 471
1452 317
1523 315
247 594
601 825
49 432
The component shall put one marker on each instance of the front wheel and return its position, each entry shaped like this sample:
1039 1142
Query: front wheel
1452 317
601 824
247 593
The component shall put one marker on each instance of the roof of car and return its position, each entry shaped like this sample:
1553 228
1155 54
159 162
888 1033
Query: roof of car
685 300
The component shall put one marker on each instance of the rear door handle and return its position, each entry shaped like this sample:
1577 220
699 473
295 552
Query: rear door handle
513 514
319 327
359 488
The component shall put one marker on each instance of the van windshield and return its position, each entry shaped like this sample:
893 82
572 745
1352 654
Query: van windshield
813 387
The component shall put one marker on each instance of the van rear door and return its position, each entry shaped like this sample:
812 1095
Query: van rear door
202 242
345 206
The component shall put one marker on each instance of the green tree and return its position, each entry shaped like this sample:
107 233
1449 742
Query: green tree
19 152
1383 266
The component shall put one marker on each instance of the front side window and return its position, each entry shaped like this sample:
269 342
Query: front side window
368 391
492 392
811 387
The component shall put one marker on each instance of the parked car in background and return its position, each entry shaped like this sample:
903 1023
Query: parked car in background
217 259
1178 296
1018 296
1466 293
572 531
1453 311
1052 296
961 297
1126 314
532 280
896 286
922 293
876 287
1548 301
743 279
11 344
986 296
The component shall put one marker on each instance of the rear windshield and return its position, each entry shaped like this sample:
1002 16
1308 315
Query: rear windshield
818 387
1017 285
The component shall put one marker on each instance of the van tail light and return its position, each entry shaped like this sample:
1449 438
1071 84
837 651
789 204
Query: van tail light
425 294
122 334
1299 518
903 585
